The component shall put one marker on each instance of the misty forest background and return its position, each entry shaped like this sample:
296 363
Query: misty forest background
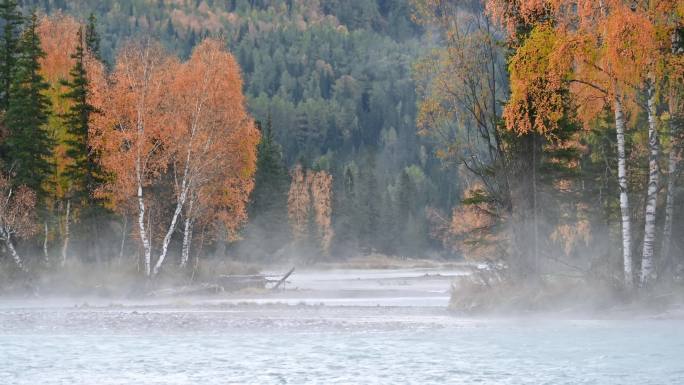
529 135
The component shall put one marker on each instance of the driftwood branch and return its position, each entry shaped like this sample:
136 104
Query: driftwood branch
282 280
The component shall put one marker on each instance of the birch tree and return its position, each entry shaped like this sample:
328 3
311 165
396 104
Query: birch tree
663 20
135 141
673 170
215 156
17 217
647 258
603 51
184 122
674 65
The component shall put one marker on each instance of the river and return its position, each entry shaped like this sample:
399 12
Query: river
335 327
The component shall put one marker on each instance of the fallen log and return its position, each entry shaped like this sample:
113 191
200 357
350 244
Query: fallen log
282 280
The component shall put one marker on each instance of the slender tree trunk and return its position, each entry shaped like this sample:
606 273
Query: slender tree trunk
535 219
95 244
147 250
187 235
124 231
180 203
673 165
647 260
65 245
221 240
7 237
187 240
45 243
672 170
169 232
624 198
198 253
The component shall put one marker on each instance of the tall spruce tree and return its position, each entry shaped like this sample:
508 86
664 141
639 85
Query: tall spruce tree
92 38
83 171
268 208
346 209
271 179
12 20
29 144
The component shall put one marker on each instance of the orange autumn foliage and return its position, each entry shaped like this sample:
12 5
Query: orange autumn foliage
18 217
307 189
575 233
537 83
512 14
58 38
598 50
188 120
134 138
215 137
469 230
321 190
298 202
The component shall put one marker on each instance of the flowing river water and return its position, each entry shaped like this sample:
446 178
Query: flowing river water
327 327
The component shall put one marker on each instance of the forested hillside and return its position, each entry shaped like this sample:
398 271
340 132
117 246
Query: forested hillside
540 137
330 86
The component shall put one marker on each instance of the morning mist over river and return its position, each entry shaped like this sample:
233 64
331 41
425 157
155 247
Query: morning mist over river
341 192
334 326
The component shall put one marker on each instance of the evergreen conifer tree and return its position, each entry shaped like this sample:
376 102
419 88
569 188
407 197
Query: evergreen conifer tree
271 179
92 38
346 211
29 144
268 209
12 20
83 172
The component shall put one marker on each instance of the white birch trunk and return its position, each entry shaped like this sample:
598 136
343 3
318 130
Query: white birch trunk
647 263
624 197
673 163
7 237
180 203
147 250
123 238
187 241
535 219
672 170
139 175
45 243
65 245
169 232
187 235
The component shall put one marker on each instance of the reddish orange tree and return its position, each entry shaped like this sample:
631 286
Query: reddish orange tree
134 138
181 122
311 191
299 203
214 159
321 190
